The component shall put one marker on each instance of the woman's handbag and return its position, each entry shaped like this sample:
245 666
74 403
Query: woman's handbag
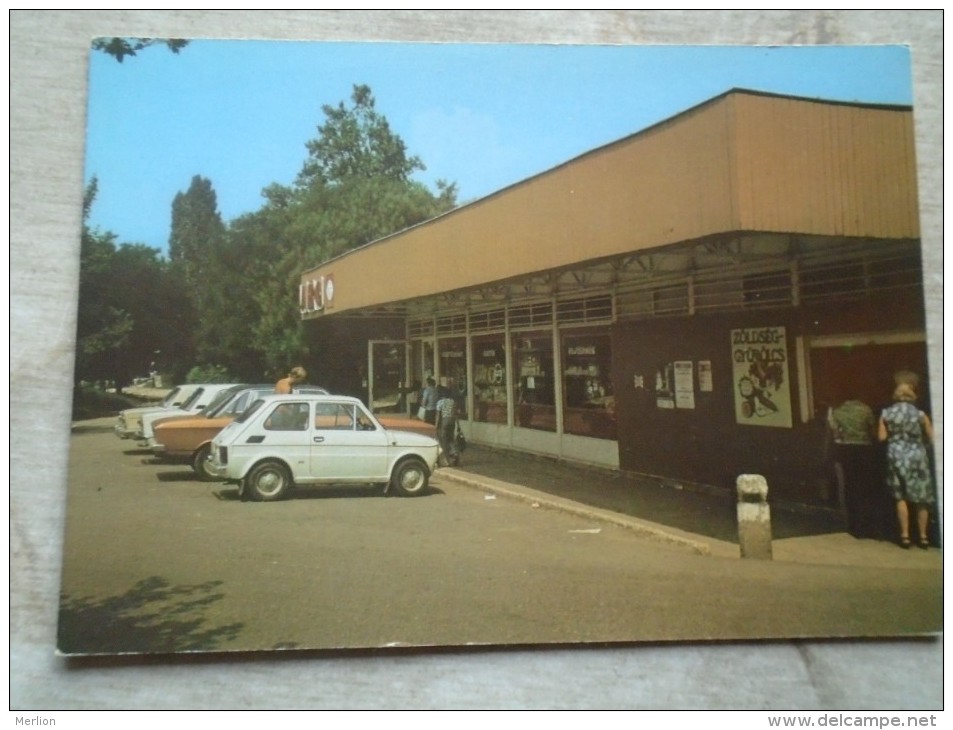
422 413
460 441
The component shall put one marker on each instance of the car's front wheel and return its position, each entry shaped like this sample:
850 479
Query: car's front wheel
201 463
410 478
268 481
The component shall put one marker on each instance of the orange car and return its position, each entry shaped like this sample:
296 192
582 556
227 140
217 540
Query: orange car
186 439
397 422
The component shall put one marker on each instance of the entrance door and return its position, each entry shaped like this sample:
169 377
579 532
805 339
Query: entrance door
841 369
387 382
343 449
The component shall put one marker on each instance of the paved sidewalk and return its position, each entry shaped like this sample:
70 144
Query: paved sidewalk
702 521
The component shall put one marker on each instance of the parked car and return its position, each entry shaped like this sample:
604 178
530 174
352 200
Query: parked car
188 438
200 400
399 422
285 441
129 422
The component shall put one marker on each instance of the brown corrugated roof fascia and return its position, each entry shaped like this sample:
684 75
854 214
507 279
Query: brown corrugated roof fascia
596 150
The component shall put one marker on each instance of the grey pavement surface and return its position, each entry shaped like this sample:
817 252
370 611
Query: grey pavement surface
50 52
697 519
701 520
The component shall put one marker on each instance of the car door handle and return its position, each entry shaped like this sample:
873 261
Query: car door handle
319 439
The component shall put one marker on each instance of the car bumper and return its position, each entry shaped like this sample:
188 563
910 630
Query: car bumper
220 471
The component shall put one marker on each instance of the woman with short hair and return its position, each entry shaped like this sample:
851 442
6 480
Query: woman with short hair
907 431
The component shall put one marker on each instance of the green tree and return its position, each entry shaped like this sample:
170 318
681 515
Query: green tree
354 142
129 305
196 229
119 48
354 187
196 244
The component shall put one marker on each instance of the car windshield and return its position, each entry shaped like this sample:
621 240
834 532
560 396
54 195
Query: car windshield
252 409
221 402
239 402
192 398
169 400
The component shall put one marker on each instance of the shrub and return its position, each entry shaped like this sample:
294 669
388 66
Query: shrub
209 374
90 402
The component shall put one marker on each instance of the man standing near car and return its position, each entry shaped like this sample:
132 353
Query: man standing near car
447 427
285 386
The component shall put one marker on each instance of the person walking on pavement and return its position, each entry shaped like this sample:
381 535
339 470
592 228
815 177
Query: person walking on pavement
447 427
907 431
286 385
428 401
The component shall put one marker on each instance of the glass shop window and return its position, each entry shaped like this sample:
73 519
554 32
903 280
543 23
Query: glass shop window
489 379
453 370
534 398
589 408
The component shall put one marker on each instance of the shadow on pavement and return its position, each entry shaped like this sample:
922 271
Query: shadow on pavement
692 509
153 616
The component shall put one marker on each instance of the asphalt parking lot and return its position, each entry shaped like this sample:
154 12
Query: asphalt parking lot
157 562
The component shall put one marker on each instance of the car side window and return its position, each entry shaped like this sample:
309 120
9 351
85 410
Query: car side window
334 417
288 417
364 422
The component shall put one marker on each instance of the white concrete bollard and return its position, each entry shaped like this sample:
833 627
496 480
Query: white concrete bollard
754 517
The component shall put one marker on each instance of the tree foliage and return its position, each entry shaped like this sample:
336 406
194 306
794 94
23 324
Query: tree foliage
196 230
200 255
119 48
227 296
356 142
354 187
128 306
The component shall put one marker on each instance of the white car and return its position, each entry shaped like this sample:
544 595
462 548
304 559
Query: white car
201 399
188 438
283 441
129 422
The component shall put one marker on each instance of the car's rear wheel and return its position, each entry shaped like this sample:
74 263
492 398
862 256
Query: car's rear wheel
268 481
201 463
410 478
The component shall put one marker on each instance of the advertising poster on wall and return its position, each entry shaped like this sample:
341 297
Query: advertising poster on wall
761 376
704 376
684 384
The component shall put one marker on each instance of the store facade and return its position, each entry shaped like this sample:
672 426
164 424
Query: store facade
680 303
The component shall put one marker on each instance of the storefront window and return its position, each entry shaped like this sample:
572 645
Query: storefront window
590 406
489 379
534 392
453 370
388 369
421 367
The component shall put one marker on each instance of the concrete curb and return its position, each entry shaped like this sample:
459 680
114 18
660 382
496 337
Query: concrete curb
643 528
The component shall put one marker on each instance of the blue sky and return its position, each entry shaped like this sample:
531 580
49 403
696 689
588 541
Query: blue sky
482 116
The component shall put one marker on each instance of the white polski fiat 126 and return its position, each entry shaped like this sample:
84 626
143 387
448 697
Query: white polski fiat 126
283 441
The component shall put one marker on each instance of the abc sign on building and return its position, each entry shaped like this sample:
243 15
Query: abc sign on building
315 295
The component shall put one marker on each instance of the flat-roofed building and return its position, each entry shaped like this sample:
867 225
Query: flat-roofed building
683 302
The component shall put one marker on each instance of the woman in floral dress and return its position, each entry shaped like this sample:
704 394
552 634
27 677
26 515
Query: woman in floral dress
907 430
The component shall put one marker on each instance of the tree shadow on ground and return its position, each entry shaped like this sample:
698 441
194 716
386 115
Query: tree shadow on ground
153 616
